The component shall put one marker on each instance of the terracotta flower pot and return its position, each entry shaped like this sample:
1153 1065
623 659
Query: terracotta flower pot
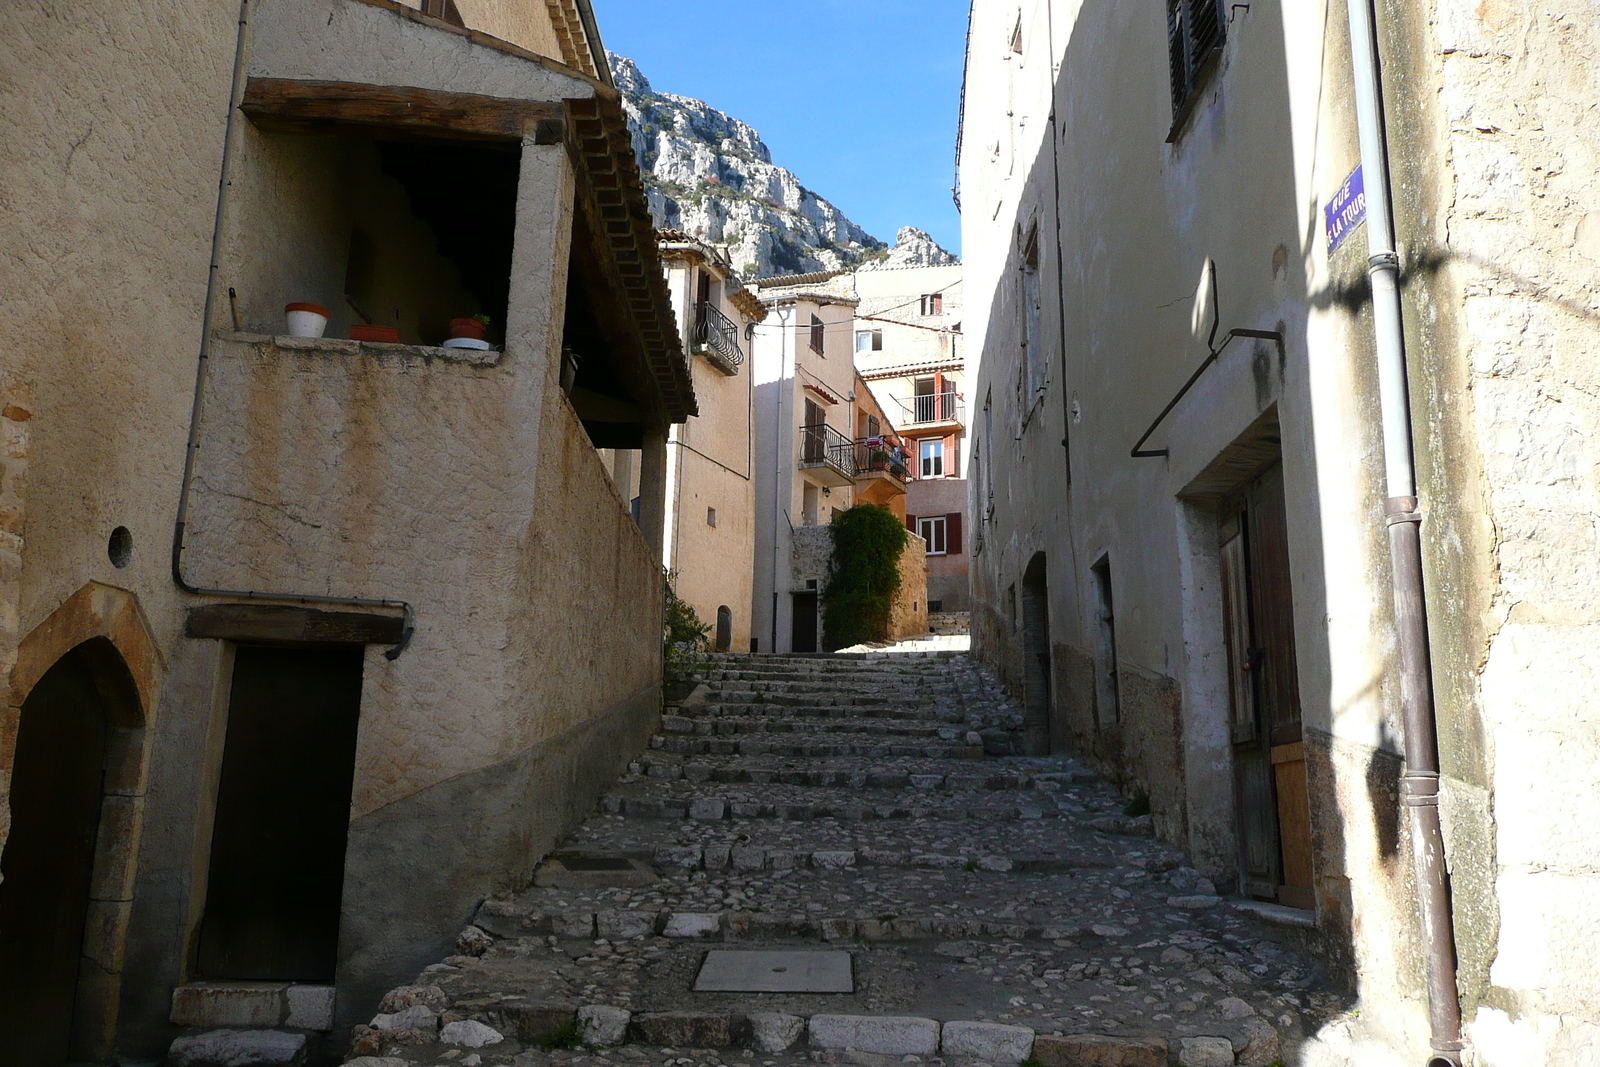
467 328
306 320
363 332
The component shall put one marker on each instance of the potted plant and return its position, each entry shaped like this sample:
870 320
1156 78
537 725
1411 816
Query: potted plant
472 328
306 320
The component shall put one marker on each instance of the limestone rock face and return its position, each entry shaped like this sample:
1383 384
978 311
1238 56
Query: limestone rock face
710 175
915 248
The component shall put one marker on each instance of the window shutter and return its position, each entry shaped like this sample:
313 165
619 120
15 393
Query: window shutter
911 523
950 468
952 533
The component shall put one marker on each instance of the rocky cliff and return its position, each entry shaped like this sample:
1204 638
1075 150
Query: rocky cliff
710 175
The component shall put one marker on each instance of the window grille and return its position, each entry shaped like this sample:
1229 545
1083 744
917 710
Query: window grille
1195 30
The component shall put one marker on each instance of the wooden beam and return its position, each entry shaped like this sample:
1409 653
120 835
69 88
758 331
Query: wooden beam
296 106
288 624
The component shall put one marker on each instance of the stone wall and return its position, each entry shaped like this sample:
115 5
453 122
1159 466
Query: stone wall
811 557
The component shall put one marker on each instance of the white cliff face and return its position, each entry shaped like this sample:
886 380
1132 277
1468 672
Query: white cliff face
915 248
710 175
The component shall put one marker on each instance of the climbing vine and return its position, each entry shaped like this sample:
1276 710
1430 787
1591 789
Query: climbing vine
863 576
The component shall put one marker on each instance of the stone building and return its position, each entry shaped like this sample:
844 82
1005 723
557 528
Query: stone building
309 649
909 346
809 467
710 509
1194 513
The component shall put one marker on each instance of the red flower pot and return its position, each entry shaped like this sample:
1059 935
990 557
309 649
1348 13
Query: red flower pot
386 334
466 328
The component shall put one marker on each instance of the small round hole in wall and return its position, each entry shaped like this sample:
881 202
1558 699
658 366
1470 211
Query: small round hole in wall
120 547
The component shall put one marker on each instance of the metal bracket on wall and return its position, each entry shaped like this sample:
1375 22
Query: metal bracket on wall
1214 350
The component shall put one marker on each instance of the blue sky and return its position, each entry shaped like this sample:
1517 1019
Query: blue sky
857 97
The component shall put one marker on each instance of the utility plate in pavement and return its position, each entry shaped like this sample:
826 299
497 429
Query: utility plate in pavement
734 971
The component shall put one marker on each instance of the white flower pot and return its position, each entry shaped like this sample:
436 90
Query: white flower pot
306 320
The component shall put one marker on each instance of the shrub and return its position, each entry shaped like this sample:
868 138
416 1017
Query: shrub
684 638
863 576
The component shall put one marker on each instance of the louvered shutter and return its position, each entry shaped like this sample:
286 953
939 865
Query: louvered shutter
952 533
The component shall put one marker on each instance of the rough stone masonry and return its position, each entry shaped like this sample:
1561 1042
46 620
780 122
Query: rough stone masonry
995 908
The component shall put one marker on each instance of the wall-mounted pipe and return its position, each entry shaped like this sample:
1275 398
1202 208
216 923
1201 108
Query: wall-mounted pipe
241 52
1419 787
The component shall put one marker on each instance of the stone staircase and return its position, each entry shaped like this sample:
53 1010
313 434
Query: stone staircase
838 859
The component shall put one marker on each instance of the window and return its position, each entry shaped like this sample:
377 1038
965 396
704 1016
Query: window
816 335
869 340
1194 37
933 303
1016 37
988 450
1030 382
932 453
932 531
874 427
711 517
443 9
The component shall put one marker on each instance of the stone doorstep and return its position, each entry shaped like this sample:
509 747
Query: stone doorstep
238 1048
626 924
254 1004
889 1035
1277 914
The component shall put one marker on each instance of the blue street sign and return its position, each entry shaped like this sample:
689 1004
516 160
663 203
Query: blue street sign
1346 210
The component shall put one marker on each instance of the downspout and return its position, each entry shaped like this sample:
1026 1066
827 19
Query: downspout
1419 786
202 370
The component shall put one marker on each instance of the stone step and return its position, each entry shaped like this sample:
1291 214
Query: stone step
717 808
926 776
912 714
734 725
824 746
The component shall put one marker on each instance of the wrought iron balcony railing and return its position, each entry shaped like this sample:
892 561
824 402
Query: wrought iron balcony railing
717 334
823 446
877 455
935 407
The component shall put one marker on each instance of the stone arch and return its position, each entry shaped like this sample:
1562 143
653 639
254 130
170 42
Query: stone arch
104 635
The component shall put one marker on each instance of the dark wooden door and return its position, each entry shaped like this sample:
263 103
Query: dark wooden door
56 788
283 814
1269 758
805 623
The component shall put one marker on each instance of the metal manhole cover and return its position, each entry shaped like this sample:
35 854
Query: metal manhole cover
739 971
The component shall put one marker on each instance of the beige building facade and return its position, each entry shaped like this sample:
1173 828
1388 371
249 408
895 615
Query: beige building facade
1185 504
709 543
289 641
814 459
909 347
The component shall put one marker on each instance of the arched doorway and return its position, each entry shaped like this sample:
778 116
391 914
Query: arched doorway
724 629
1036 656
65 735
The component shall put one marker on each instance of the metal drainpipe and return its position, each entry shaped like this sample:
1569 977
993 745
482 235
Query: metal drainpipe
1419 787
241 53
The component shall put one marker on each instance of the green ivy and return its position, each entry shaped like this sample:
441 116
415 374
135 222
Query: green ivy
863 577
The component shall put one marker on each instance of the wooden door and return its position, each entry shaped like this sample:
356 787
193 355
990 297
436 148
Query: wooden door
283 815
1269 758
56 789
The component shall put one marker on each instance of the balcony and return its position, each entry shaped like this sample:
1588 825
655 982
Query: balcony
827 456
716 337
933 409
881 469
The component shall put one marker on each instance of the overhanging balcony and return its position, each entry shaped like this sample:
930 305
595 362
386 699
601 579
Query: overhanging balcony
716 337
881 467
827 456
933 409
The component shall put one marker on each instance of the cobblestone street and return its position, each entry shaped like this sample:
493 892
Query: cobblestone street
994 907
